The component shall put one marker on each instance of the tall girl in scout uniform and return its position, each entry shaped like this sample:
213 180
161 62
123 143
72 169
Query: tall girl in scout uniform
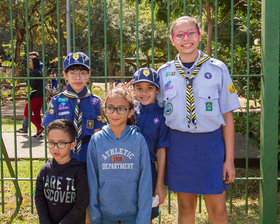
198 97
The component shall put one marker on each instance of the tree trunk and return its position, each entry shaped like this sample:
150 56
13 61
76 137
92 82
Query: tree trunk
210 27
20 36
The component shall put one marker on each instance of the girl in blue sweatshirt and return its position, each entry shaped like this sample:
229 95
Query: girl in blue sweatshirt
118 166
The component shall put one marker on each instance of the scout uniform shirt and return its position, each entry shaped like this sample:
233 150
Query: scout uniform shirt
213 90
151 122
63 107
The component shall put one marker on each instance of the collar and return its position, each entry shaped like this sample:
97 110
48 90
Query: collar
84 92
194 64
149 107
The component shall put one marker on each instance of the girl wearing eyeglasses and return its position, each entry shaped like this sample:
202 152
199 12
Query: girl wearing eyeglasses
198 98
118 166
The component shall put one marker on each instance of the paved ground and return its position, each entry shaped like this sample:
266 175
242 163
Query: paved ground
38 145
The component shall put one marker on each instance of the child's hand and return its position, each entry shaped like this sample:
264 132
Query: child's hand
161 191
125 85
228 172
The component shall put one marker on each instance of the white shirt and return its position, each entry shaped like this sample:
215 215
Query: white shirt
213 91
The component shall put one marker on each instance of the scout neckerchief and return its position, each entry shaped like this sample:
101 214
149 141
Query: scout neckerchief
191 116
78 114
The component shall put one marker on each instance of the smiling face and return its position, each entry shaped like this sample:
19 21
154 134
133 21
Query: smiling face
188 46
145 92
77 79
115 119
61 156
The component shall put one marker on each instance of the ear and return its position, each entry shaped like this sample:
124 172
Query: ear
88 76
200 36
171 39
131 112
65 75
73 145
157 92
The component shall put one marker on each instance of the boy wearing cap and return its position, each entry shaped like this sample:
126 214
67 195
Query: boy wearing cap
77 104
150 120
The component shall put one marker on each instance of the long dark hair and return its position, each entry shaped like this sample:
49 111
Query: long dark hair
36 63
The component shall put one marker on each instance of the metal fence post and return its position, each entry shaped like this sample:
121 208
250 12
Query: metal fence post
269 111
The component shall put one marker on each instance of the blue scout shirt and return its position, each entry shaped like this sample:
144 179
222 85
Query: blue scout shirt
63 107
151 122
213 90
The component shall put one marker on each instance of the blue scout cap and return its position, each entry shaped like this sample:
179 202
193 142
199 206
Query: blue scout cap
146 75
76 58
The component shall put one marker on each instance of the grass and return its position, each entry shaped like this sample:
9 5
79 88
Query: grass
8 125
24 215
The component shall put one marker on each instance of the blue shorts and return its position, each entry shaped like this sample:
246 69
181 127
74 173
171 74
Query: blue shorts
195 162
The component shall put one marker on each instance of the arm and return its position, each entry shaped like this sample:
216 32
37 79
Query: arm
228 132
81 202
40 201
92 165
144 186
160 190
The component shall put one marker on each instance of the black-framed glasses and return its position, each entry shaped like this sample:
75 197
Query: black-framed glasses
60 145
120 110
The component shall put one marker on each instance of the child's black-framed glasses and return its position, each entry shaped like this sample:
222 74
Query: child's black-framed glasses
60 145
120 110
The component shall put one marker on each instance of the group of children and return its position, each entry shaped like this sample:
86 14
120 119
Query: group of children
179 133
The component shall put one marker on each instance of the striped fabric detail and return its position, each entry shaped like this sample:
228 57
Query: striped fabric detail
190 105
77 118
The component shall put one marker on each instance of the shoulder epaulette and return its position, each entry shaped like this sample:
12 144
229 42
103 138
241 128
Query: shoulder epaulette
165 65
218 63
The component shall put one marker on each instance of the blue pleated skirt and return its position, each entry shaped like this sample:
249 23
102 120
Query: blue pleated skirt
195 162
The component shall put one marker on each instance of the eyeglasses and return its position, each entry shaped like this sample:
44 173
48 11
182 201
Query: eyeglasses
192 33
60 145
75 75
120 110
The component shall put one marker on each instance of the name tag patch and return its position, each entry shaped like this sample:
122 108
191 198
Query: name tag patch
63 113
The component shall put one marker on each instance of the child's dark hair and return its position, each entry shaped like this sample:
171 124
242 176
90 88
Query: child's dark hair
76 67
36 62
64 125
186 19
126 94
34 54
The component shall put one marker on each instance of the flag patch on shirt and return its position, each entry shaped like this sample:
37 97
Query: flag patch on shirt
231 89
209 106
170 74
62 99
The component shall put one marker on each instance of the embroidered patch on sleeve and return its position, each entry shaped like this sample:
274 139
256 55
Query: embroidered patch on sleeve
90 124
231 89
51 111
